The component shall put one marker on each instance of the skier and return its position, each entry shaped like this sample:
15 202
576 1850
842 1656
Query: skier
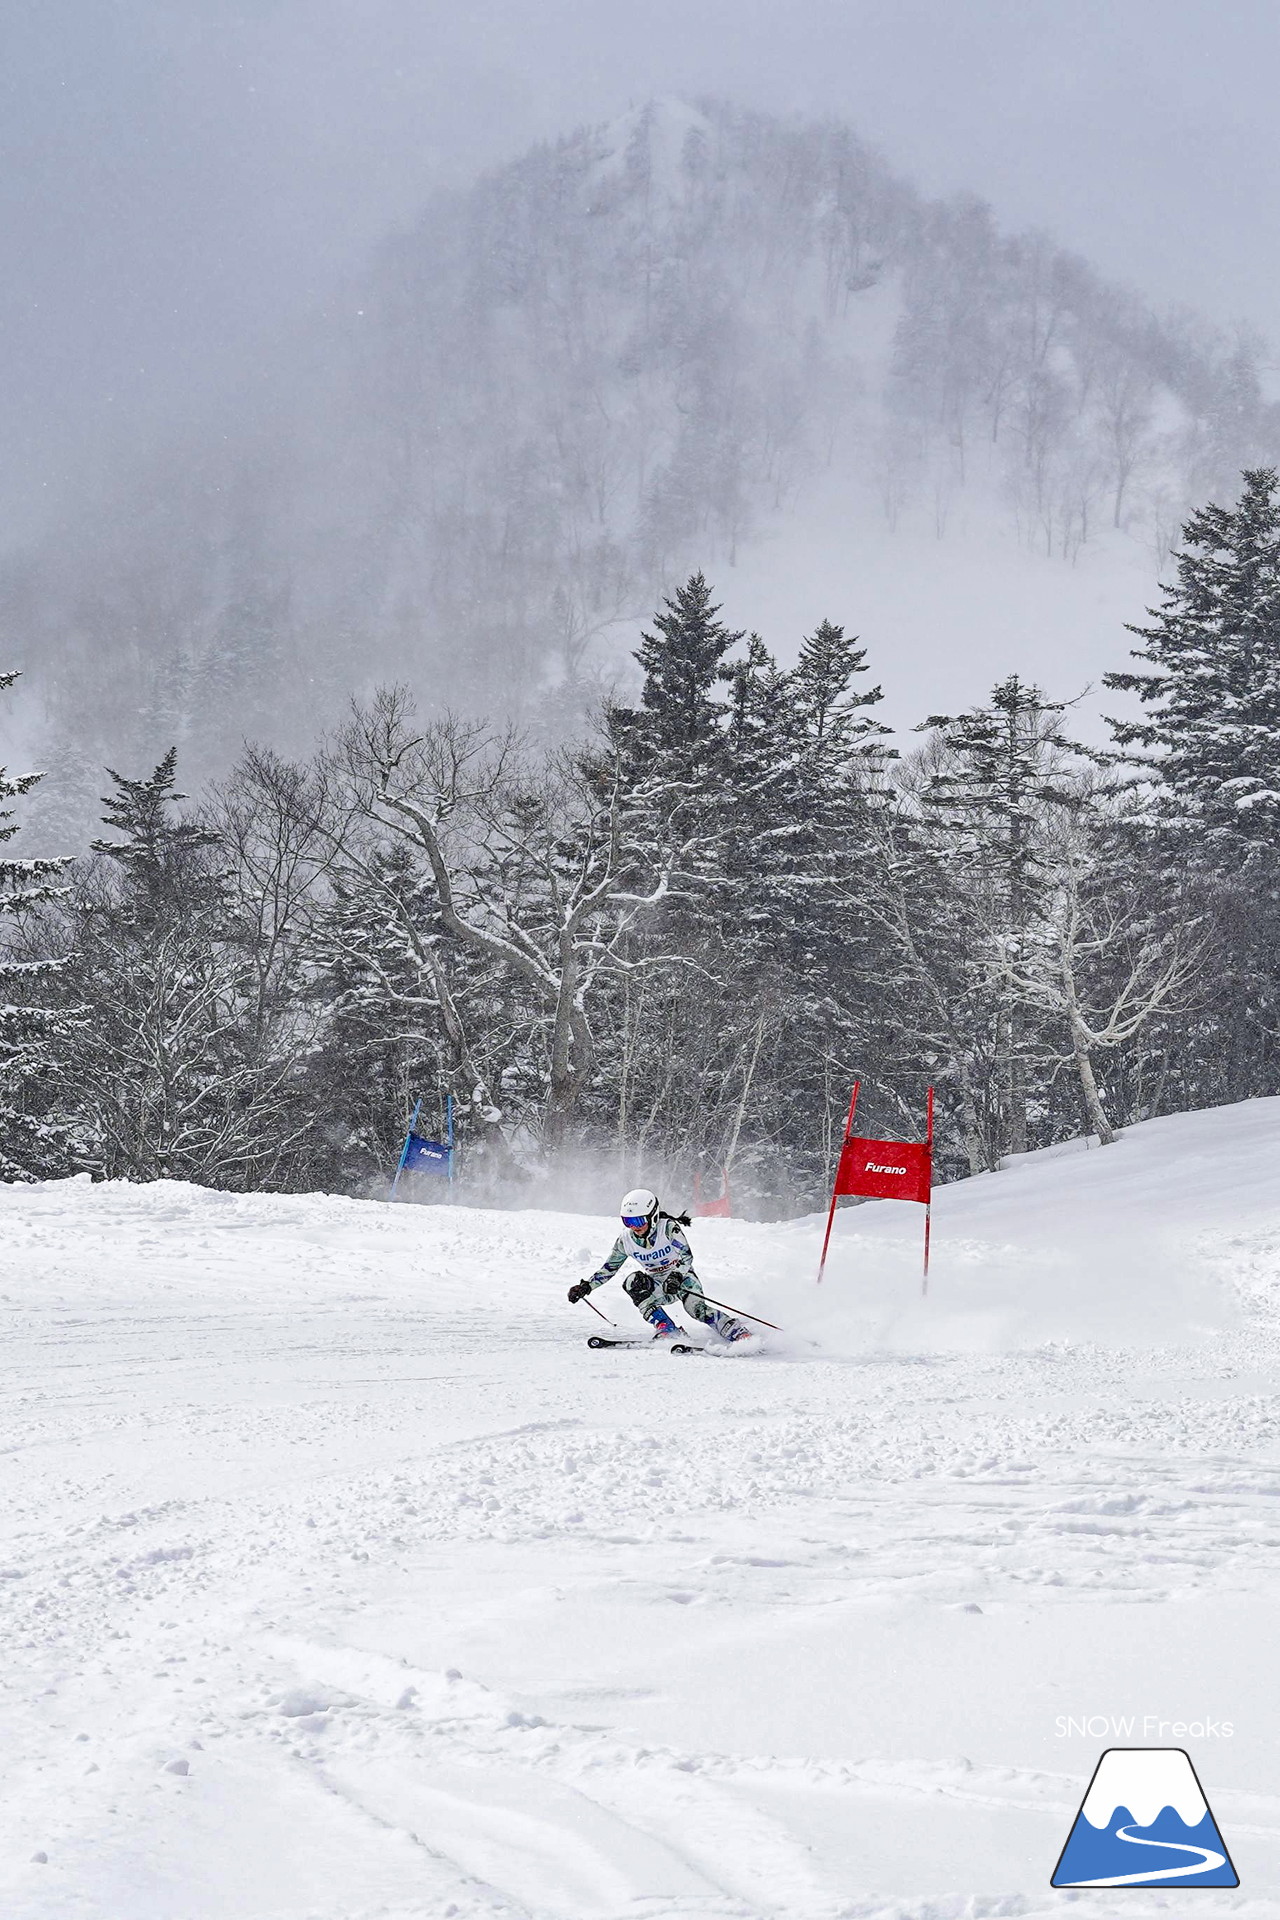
664 1262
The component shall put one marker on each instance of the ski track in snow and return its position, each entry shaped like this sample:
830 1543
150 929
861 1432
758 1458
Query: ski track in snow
339 1580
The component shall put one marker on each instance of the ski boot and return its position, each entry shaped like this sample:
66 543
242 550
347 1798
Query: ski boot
664 1327
727 1327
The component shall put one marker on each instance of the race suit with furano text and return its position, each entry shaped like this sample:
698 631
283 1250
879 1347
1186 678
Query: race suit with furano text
664 1260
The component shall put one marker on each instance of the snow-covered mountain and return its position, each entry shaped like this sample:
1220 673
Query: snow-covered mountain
695 337
338 1578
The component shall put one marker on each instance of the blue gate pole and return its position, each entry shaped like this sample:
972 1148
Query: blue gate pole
404 1151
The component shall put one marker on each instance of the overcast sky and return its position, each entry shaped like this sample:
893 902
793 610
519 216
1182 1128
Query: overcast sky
179 179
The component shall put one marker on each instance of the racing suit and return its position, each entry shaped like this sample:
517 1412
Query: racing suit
664 1271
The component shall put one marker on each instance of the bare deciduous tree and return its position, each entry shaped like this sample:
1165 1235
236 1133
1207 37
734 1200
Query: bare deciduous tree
1096 962
529 863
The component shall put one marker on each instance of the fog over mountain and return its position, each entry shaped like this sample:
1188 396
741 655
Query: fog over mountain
698 336
181 180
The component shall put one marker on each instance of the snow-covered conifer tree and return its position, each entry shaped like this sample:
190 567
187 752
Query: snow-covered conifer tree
1209 747
680 720
179 1075
1212 680
983 809
844 1005
162 857
32 1034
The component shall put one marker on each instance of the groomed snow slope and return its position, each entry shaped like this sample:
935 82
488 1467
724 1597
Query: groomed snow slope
339 1580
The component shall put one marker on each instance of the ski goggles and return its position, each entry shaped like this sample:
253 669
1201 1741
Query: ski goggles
636 1223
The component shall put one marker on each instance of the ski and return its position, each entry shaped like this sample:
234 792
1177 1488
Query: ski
601 1340
722 1351
672 1346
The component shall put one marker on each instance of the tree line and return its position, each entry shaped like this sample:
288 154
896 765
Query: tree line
667 948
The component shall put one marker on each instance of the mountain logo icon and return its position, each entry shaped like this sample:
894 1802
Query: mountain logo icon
1144 1822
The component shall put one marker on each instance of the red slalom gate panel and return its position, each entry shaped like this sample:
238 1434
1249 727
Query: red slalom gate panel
704 1209
886 1169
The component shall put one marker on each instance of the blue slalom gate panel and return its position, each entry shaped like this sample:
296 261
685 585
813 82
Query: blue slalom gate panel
426 1156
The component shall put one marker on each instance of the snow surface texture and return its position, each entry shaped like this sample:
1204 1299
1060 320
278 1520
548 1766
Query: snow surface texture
339 1579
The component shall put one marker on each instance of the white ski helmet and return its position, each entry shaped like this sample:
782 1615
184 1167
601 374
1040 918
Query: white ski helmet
639 1212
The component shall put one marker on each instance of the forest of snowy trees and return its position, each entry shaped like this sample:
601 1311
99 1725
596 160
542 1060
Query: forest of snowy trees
609 362
668 946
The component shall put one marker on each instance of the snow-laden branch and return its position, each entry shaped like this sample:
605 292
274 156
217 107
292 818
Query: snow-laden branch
533 865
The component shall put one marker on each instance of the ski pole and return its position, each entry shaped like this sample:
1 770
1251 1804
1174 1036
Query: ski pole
742 1310
711 1303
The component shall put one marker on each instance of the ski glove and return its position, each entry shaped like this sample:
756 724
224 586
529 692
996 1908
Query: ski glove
579 1291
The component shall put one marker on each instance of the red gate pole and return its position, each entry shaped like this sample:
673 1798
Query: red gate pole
928 1205
848 1129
